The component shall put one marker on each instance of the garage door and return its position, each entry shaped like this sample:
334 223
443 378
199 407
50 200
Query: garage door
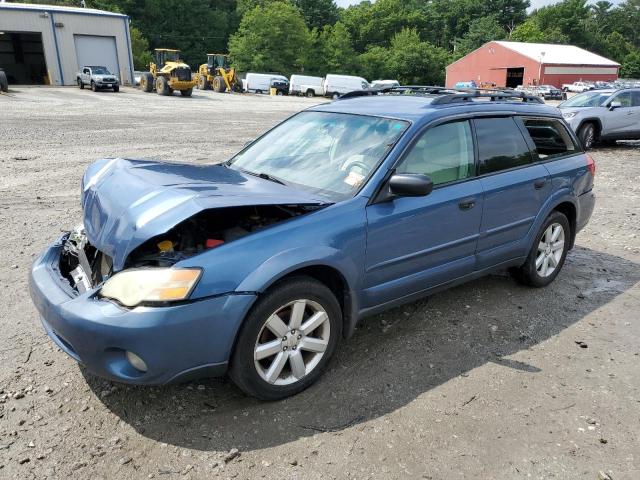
94 50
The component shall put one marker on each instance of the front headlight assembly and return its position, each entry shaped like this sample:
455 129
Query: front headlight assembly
569 114
150 285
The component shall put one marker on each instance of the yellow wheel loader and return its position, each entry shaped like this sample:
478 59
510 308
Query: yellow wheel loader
218 74
167 74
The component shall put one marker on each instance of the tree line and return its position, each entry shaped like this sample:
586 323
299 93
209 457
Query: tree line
408 40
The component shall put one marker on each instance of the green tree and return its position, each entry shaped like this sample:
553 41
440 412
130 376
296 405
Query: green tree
339 55
318 13
481 31
530 31
374 63
414 61
140 50
631 65
272 38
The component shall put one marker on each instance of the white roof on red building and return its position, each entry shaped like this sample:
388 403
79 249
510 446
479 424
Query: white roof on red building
550 53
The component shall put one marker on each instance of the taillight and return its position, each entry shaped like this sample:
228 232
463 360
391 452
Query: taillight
591 165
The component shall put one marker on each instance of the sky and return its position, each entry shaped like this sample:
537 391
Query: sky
534 3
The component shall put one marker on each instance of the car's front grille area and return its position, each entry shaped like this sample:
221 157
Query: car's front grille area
183 74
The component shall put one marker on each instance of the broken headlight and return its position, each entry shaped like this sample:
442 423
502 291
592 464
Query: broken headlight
136 286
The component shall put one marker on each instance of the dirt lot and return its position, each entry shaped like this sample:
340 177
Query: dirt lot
485 381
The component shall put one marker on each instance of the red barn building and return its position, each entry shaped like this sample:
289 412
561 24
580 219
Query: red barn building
509 64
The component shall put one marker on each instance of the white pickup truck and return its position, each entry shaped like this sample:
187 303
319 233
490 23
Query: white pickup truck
97 77
577 87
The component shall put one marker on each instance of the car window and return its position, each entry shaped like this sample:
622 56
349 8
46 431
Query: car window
635 99
86 70
550 137
444 153
500 144
624 98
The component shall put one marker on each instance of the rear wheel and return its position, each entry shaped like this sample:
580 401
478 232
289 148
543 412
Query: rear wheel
310 93
335 96
162 86
80 84
587 135
187 92
287 339
146 82
218 84
547 254
116 88
203 83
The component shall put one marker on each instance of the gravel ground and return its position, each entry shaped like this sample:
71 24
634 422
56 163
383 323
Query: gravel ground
488 380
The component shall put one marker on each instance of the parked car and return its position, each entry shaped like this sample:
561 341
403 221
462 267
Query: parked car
378 84
549 92
261 265
97 77
281 86
261 82
463 85
306 85
4 83
336 85
577 87
604 115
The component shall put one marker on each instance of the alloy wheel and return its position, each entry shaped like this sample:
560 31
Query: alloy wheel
550 250
292 342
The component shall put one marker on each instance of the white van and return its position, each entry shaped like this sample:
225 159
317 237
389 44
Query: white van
260 82
305 85
336 85
385 84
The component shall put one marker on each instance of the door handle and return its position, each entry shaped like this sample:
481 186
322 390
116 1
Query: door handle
467 204
538 184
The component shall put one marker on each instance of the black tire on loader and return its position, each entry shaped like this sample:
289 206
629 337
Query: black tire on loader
203 83
146 82
4 83
218 84
187 92
162 86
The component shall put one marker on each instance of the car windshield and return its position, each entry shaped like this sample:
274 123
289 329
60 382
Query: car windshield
587 99
100 71
328 154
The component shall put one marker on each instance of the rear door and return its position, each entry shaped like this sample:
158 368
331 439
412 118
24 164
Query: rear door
515 187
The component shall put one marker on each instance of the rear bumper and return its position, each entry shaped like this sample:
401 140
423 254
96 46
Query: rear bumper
177 343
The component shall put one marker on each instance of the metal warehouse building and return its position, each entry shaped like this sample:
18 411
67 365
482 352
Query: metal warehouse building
509 64
46 44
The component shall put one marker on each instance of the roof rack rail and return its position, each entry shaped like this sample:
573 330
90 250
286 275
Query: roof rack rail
358 93
492 95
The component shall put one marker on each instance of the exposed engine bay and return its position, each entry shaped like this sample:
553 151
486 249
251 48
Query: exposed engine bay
86 267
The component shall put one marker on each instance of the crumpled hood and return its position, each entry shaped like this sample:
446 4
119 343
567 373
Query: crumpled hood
127 202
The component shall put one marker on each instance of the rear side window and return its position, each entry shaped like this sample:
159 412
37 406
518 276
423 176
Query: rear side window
501 145
550 137
444 153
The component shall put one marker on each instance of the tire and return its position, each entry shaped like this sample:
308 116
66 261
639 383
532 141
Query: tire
587 135
218 84
80 84
162 86
94 87
335 96
187 92
251 375
545 253
116 88
279 93
203 83
146 82
310 93
4 83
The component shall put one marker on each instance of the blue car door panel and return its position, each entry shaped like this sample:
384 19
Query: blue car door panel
415 243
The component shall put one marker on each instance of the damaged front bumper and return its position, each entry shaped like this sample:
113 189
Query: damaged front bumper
177 342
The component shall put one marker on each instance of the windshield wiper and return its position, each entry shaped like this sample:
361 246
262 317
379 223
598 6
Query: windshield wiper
265 176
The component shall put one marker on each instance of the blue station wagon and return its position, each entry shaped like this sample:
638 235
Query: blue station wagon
259 266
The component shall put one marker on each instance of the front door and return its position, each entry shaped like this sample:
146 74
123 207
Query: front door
414 243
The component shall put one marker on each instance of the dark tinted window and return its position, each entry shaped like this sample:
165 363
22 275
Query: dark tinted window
550 137
500 144
444 153
635 99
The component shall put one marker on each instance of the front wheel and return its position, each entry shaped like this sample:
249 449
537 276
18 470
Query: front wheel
94 87
587 135
287 339
146 82
116 88
547 254
310 94
80 84
162 86
187 92
335 96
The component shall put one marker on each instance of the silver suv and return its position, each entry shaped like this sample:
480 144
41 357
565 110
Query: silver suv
604 115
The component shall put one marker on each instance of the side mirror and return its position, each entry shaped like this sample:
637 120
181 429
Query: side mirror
410 185
613 105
